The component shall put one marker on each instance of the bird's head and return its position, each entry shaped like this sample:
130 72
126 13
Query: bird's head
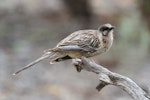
106 29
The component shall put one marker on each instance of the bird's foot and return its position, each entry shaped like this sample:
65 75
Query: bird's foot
77 63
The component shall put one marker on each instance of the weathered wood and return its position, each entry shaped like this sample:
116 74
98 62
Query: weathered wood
107 77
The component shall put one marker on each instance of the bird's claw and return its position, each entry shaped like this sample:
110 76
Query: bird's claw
77 63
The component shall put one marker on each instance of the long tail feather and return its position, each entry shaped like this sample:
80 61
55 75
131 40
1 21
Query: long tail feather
33 63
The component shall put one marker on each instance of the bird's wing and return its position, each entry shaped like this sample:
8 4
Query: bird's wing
85 40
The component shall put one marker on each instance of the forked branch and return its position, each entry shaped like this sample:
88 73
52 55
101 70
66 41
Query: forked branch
107 77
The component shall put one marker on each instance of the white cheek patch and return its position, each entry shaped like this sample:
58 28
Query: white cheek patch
105 33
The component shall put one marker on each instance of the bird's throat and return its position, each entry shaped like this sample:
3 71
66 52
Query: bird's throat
104 39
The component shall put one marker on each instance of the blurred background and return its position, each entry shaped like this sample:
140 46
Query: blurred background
28 27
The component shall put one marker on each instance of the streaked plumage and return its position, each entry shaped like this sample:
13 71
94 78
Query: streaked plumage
86 43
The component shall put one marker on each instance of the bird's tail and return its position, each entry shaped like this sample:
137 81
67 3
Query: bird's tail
44 56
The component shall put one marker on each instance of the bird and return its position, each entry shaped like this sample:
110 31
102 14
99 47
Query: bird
87 43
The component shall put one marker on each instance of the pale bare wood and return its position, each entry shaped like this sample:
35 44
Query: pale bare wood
107 77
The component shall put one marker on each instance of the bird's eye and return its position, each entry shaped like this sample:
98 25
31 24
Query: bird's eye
105 32
104 29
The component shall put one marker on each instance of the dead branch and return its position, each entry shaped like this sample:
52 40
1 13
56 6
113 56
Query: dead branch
107 77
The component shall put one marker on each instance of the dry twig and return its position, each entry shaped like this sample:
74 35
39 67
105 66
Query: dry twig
107 77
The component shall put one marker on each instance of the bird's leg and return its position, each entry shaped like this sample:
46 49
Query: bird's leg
77 62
